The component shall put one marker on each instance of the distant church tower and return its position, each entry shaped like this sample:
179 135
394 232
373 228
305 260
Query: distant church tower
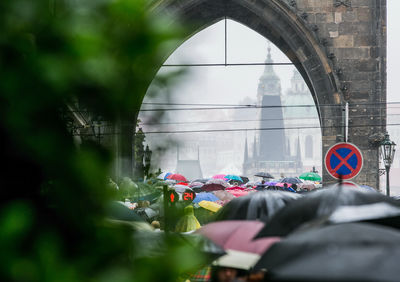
272 144
271 148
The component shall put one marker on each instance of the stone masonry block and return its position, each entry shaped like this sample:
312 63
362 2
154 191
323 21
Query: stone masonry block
353 53
364 14
344 41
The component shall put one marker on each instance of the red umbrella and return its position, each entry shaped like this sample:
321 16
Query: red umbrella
236 188
238 235
177 177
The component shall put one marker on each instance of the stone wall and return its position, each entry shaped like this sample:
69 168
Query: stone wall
354 35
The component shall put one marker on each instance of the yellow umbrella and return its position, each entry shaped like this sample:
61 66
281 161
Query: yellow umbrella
211 206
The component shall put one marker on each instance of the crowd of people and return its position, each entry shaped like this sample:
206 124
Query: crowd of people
211 203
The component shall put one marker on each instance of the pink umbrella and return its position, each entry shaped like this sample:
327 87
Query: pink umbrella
223 195
238 235
219 176
238 192
177 177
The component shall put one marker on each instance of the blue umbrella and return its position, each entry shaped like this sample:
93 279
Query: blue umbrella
205 197
164 175
233 177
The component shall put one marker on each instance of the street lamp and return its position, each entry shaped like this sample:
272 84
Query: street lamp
147 160
388 148
98 128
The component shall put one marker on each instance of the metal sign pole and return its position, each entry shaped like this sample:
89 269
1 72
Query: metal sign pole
166 215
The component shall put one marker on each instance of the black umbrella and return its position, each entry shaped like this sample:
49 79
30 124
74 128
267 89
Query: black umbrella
379 213
344 252
291 180
316 206
264 175
245 179
261 205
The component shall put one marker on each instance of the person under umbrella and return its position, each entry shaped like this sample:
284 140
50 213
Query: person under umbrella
291 180
177 177
264 175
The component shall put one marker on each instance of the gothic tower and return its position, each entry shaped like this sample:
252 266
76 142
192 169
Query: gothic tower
271 142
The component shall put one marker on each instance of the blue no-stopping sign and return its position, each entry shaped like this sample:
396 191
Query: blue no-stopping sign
343 160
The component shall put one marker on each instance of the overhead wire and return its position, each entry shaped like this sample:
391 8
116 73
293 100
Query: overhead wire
263 107
243 129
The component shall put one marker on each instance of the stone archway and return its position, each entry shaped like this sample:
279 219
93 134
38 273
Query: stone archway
283 23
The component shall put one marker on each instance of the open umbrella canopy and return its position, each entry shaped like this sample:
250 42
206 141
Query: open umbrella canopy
256 206
343 252
315 206
312 176
218 181
212 187
195 184
202 180
291 180
181 188
237 235
377 213
245 179
233 177
223 195
205 197
208 205
219 176
238 192
264 175
164 175
177 177
117 210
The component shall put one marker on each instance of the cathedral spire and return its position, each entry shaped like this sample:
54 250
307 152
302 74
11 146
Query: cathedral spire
269 58
298 154
269 83
246 152
255 148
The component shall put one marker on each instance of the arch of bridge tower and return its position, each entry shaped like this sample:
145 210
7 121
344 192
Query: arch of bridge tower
339 48
276 21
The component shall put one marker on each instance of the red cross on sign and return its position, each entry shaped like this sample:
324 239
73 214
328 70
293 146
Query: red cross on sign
343 160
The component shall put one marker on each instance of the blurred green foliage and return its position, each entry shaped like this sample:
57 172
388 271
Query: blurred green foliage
103 53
